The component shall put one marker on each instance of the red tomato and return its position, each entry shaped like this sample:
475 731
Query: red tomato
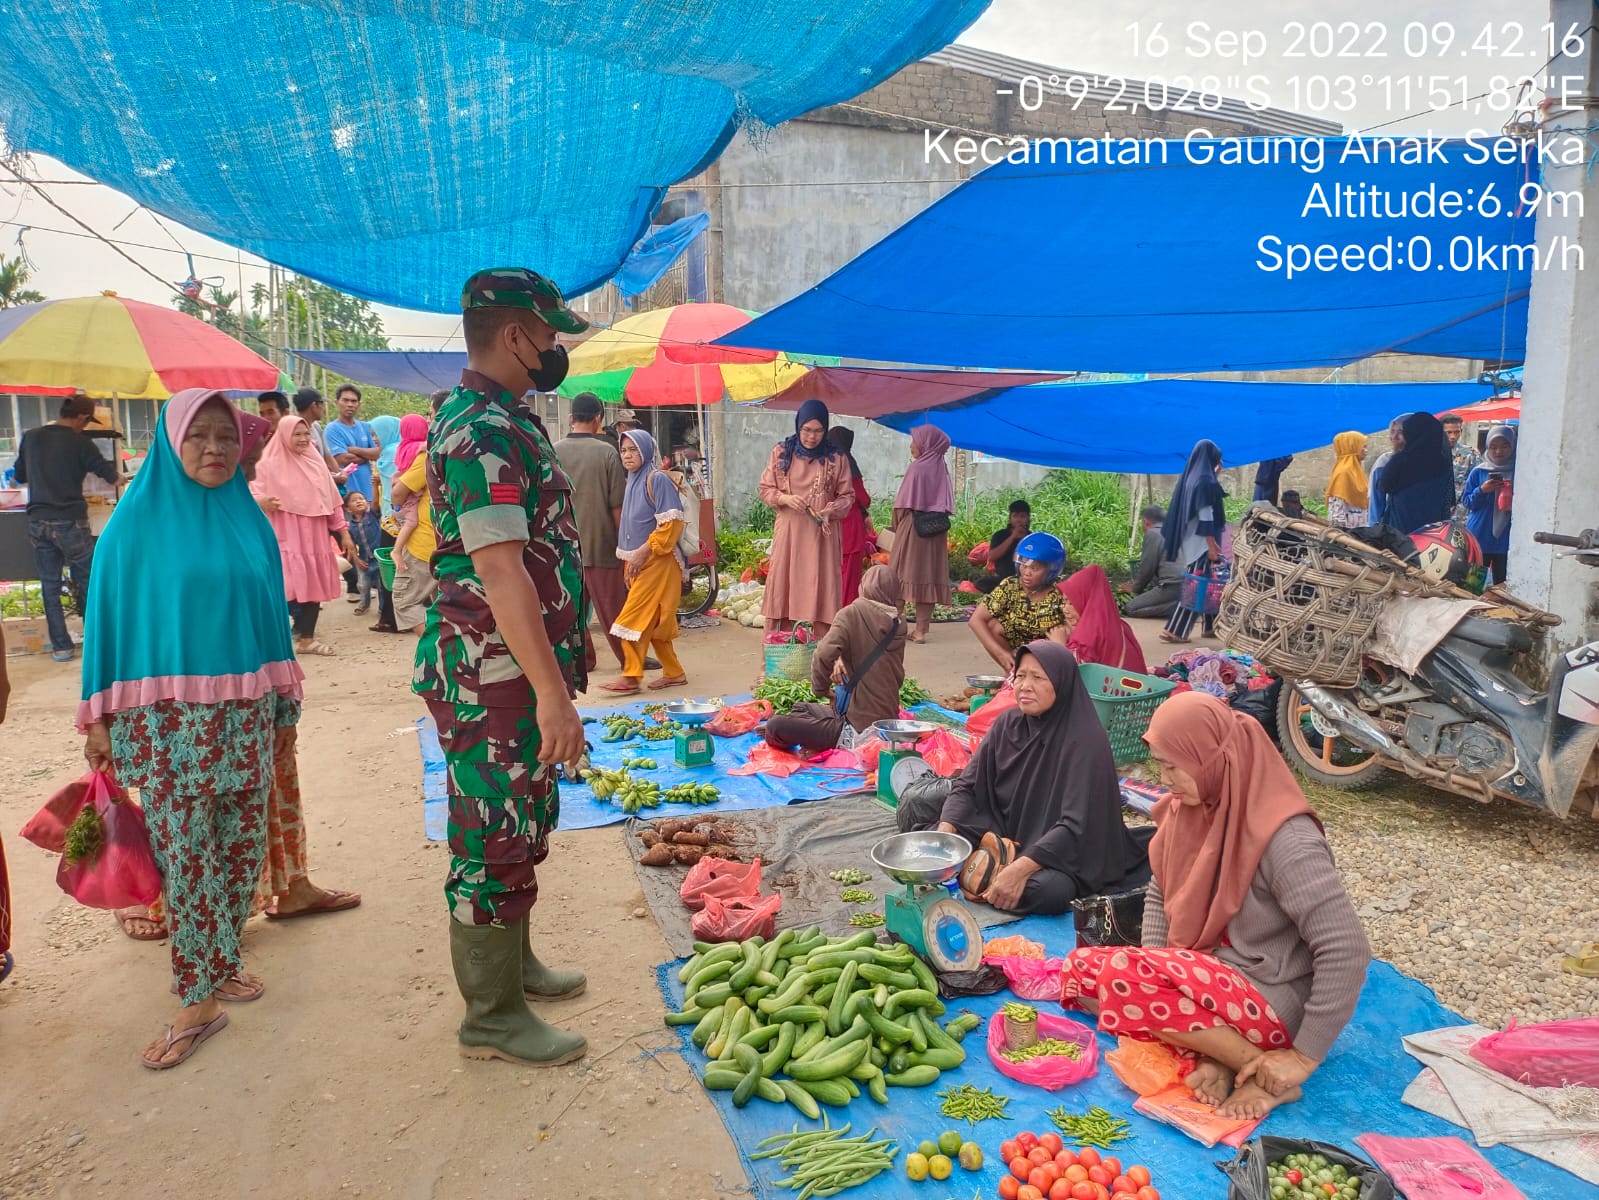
1060 1190
1088 1156
1077 1173
1050 1169
1038 1156
1020 1168
1148 1193
1025 1142
1008 1187
1293 1177
1008 1150
1100 1176
1123 1184
1139 1175
1329 1189
1065 1158
1124 1196
1083 1191
1028 1192
1052 1143
1039 1178
1101 1192
1111 1164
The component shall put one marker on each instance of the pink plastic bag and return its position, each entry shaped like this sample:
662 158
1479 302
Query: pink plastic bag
720 878
737 919
1049 1071
1030 978
122 872
1551 1055
945 753
47 828
978 724
1437 1168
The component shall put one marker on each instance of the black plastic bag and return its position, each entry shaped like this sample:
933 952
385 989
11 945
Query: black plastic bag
1261 703
1250 1181
984 981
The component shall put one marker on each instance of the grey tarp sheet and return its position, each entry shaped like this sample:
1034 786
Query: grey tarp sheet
797 845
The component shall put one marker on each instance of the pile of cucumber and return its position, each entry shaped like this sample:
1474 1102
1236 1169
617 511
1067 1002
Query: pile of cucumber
807 1019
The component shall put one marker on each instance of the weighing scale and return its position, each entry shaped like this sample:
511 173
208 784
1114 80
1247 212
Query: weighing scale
926 916
987 686
691 746
899 765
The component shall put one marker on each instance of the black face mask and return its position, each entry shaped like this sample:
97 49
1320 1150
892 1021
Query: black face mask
550 372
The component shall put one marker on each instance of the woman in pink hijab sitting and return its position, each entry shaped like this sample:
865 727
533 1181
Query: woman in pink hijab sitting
306 517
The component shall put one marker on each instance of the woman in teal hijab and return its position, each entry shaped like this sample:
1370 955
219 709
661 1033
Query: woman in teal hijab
190 687
387 431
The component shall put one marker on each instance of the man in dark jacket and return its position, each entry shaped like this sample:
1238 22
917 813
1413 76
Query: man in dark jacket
1157 584
53 460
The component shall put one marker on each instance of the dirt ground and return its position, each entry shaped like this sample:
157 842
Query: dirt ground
343 1079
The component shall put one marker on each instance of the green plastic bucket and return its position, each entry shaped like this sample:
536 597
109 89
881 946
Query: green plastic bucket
1124 701
385 557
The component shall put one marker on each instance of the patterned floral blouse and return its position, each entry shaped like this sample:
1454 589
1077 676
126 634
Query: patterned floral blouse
199 749
1021 620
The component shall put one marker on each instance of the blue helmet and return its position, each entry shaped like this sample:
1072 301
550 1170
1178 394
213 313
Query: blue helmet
1045 549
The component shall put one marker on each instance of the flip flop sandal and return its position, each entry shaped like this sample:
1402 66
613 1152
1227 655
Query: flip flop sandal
124 915
331 902
620 689
318 648
194 1036
229 999
659 684
1585 964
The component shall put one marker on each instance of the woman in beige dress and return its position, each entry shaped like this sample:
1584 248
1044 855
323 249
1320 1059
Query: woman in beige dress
807 482
922 563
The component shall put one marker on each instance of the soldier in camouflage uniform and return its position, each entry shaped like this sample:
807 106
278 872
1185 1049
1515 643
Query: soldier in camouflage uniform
498 680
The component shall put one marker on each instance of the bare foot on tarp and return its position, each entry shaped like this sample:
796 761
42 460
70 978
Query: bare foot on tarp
1210 1081
1252 1102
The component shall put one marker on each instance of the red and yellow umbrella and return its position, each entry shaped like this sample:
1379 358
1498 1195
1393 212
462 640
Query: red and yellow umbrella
665 356
106 345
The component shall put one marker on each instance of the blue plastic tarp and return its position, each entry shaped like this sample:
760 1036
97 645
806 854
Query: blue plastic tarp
1355 1091
1149 427
655 254
1157 267
421 371
392 147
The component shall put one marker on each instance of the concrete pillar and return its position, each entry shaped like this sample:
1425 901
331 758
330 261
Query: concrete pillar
1557 464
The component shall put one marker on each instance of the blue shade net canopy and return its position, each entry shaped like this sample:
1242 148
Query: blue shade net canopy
1156 266
390 148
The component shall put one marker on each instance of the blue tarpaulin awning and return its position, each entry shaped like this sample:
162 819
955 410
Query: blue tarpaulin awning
420 371
1158 267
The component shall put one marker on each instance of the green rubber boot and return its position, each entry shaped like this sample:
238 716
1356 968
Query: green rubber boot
545 983
499 1024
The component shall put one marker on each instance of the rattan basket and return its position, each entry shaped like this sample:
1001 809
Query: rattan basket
1305 596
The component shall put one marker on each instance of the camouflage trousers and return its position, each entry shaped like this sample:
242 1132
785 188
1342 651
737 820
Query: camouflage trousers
503 805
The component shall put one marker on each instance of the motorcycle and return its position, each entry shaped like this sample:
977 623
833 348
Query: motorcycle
1464 721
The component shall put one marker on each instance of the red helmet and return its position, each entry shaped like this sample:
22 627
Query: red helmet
1447 552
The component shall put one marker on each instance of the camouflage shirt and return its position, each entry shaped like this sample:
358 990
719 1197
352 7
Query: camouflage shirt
493 477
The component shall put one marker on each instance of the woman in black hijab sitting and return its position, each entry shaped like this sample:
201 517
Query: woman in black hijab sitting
1418 482
1044 781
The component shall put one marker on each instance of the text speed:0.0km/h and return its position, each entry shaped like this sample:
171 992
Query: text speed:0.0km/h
1461 253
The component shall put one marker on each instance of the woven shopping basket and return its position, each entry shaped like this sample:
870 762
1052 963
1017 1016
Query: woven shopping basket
1124 702
790 659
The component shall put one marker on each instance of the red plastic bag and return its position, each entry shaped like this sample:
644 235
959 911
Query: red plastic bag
720 878
737 719
1437 1168
978 724
122 872
767 759
978 555
737 919
1030 978
945 753
47 828
1049 1071
1556 1054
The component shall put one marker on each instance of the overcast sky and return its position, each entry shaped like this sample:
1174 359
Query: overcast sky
1046 31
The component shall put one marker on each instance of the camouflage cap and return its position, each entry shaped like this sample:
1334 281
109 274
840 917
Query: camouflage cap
517 287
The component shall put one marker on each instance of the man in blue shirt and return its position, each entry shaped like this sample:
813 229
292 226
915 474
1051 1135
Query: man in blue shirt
352 441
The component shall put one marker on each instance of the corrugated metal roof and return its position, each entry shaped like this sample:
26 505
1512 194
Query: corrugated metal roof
1004 68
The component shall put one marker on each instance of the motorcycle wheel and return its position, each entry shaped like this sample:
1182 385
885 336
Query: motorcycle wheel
1333 761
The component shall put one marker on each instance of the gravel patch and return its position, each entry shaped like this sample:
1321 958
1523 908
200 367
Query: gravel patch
1479 902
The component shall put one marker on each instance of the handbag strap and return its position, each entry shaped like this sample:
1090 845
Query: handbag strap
841 705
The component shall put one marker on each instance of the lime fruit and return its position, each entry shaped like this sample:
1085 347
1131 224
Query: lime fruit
949 1142
927 1149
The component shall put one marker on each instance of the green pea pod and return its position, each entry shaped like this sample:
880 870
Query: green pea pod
914 1077
800 1099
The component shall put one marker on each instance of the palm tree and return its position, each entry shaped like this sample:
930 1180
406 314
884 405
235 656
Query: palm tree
13 277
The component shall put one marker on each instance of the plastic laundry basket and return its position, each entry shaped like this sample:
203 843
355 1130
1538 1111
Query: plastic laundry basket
385 557
1125 700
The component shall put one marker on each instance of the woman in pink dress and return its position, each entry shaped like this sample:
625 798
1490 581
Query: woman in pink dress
856 527
807 482
922 563
306 517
